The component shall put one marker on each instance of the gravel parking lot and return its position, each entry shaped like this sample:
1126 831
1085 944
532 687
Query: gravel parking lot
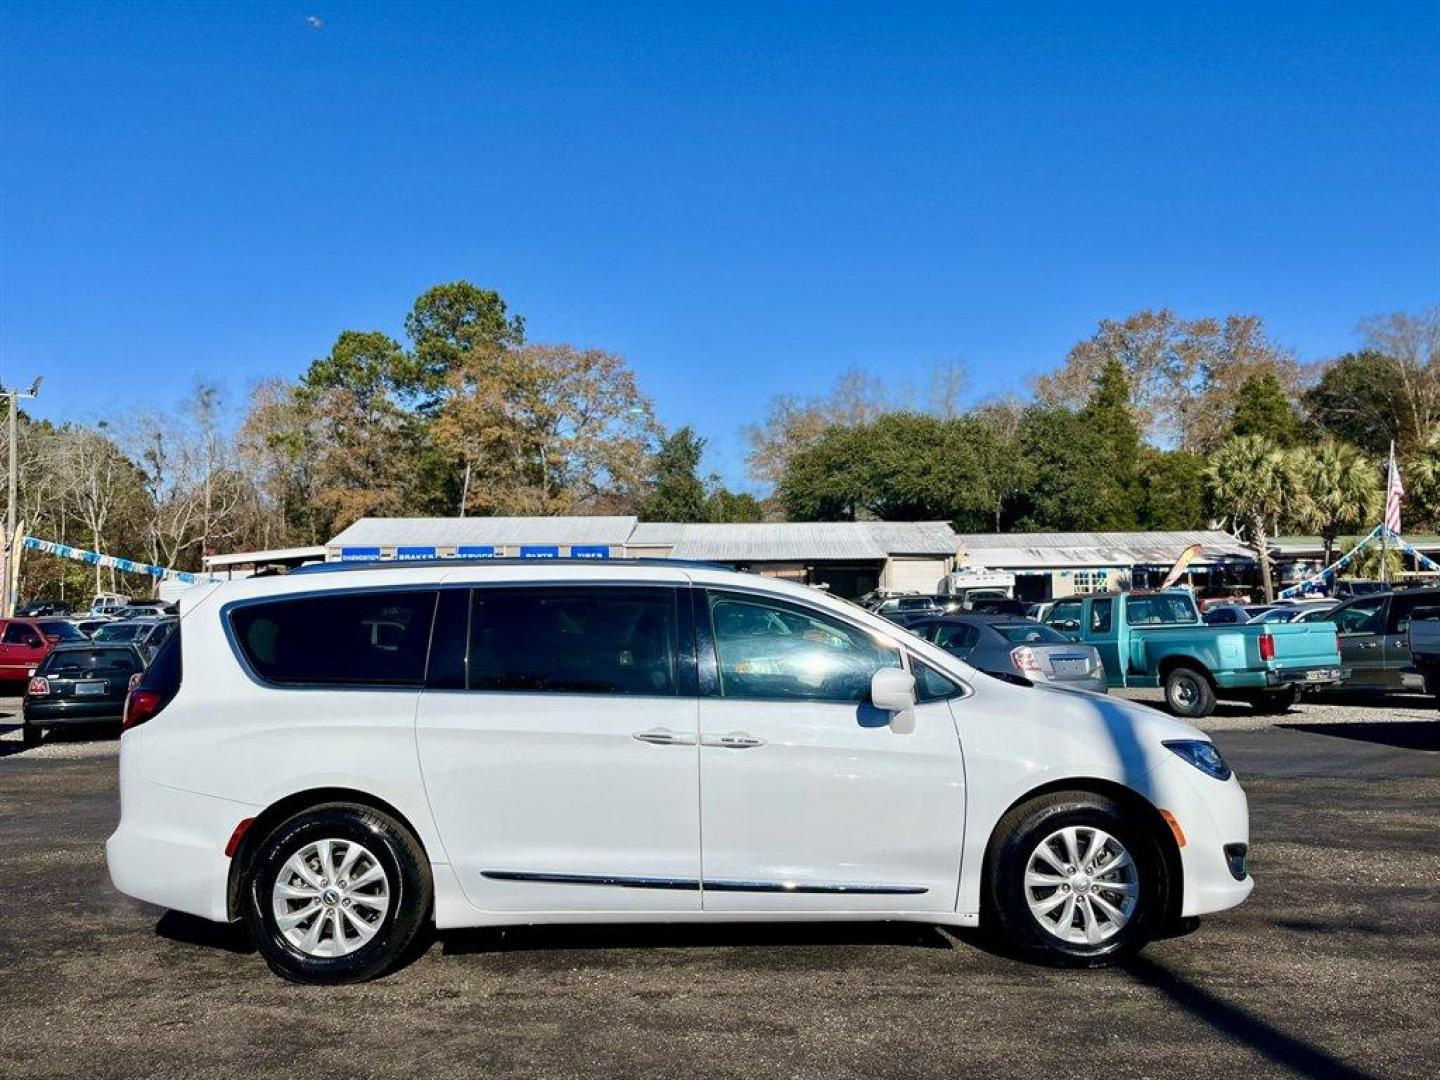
1328 970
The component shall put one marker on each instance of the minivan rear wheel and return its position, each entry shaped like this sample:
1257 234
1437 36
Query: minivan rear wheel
336 894
1074 878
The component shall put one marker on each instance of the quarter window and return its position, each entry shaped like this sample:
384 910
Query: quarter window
775 651
607 640
375 638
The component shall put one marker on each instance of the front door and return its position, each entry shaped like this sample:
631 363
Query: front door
809 801
558 741
21 648
1360 626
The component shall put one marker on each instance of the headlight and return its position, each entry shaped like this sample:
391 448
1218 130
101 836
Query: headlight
1202 754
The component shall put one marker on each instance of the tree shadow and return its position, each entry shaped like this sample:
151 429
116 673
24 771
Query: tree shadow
621 936
1241 1025
1404 734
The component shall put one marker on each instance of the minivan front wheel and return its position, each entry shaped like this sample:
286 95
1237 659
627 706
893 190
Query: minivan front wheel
1074 879
336 894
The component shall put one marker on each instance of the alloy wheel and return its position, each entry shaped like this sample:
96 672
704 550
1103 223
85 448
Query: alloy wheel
330 897
1081 884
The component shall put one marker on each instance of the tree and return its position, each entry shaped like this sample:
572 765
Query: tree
989 437
1342 489
549 428
1172 490
1107 417
795 424
1411 341
1359 399
1253 482
1063 460
676 491
1262 407
1422 482
1183 374
724 505
448 323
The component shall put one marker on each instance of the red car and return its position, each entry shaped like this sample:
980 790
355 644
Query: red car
25 642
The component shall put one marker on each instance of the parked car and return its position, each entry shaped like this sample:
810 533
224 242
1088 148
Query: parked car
1287 614
1422 636
907 605
78 684
1374 640
26 642
89 626
1158 639
108 603
1019 646
147 609
147 635
1349 589
1039 611
1230 614
34 608
996 605
631 740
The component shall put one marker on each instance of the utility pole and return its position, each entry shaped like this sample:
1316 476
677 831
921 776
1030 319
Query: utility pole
15 396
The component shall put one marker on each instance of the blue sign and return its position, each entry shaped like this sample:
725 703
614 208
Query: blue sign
601 551
354 554
542 552
475 551
414 553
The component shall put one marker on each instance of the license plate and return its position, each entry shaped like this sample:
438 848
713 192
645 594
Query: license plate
89 688
1070 667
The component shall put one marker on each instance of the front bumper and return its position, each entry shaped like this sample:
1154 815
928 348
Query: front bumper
1215 817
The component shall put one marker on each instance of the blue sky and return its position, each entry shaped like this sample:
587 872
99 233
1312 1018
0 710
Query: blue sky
743 199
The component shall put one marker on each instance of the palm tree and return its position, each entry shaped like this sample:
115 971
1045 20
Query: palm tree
1422 480
1253 481
1342 489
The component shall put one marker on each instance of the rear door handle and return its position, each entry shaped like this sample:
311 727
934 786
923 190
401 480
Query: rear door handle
734 740
664 737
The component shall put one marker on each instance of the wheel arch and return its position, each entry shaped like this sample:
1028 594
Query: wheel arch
1126 797
295 803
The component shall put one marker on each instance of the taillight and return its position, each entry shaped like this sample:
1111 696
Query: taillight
39 687
1267 646
140 705
1026 662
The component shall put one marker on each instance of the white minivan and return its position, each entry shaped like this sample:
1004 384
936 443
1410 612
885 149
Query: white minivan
339 756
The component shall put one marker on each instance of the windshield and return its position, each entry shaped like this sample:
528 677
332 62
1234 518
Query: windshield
118 632
90 662
1160 610
1028 633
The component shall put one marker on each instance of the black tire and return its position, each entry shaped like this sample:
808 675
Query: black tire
1188 692
394 849
30 735
1271 702
1018 835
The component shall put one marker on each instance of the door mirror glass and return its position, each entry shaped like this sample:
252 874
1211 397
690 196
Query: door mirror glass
893 690
33 642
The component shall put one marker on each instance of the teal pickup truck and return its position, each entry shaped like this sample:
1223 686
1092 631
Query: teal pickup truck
1158 639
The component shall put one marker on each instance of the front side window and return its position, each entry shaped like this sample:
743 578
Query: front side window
377 638
18 634
955 637
774 651
574 640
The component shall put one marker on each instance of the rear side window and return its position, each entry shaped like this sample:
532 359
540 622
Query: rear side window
575 640
91 662
952 636
357 639
1160 611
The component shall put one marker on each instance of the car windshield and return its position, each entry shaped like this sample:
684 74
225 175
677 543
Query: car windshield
119 632
1160 611
1026 633
90 662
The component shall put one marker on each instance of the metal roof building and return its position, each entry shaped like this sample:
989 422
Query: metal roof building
851 557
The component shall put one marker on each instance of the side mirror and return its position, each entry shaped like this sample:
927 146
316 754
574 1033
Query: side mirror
33 643
893 690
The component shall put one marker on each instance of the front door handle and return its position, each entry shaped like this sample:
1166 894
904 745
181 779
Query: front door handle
664 737
734 740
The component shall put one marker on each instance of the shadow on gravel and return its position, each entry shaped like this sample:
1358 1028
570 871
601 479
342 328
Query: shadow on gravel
698 936
1404 734
1242 1025
188 930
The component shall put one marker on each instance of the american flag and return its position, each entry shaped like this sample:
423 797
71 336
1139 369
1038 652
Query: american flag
1394 495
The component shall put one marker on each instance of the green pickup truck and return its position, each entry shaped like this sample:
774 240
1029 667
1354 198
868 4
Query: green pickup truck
1158 639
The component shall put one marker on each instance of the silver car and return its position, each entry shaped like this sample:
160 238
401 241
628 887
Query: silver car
1012 645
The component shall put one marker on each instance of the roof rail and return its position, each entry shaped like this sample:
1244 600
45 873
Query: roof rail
504 560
